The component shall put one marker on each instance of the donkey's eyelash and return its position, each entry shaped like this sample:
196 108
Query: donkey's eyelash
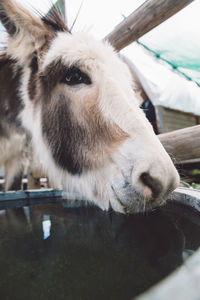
75 76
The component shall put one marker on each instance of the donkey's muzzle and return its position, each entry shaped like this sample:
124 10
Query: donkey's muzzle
154 186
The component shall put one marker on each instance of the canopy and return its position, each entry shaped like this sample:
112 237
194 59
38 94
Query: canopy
177 41
162 85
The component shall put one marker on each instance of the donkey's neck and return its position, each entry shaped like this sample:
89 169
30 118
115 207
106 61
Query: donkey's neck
10 102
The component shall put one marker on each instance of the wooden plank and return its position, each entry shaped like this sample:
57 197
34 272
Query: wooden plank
159 118
182 144
176 117
180 112
170 119
142 20
198 119
190 161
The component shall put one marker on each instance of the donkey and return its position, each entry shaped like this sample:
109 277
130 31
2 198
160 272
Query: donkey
73 95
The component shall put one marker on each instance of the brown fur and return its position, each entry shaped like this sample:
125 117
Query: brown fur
11 105
78 146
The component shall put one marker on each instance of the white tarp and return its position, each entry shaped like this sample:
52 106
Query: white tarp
163 86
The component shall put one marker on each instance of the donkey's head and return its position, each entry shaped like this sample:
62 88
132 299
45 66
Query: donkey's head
88 130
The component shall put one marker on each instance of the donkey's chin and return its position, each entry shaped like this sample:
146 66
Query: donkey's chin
132 202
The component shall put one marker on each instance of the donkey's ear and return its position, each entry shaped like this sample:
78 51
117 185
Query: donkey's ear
16 18
25 29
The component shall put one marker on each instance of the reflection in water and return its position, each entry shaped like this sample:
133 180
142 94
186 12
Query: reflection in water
2 212
52 252
46 226
187 253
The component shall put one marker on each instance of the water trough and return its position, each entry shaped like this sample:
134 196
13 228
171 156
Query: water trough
53 248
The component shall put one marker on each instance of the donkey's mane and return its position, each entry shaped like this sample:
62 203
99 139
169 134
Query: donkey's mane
55 20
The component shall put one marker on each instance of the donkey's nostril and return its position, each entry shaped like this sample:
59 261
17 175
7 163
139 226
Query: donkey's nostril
153 183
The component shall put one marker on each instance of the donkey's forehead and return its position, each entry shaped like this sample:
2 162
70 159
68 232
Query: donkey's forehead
83 49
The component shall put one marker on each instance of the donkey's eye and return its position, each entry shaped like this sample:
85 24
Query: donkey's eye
75 76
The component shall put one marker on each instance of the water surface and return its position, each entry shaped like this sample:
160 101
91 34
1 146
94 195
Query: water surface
52 251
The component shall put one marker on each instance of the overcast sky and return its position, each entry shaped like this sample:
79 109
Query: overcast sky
100 17
96 17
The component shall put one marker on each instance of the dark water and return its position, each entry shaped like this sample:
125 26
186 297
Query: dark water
53 252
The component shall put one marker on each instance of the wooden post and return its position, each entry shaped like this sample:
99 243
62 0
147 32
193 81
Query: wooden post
142 20
182 144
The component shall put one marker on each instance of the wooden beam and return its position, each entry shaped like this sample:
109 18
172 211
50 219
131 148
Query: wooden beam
182 144
142 20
